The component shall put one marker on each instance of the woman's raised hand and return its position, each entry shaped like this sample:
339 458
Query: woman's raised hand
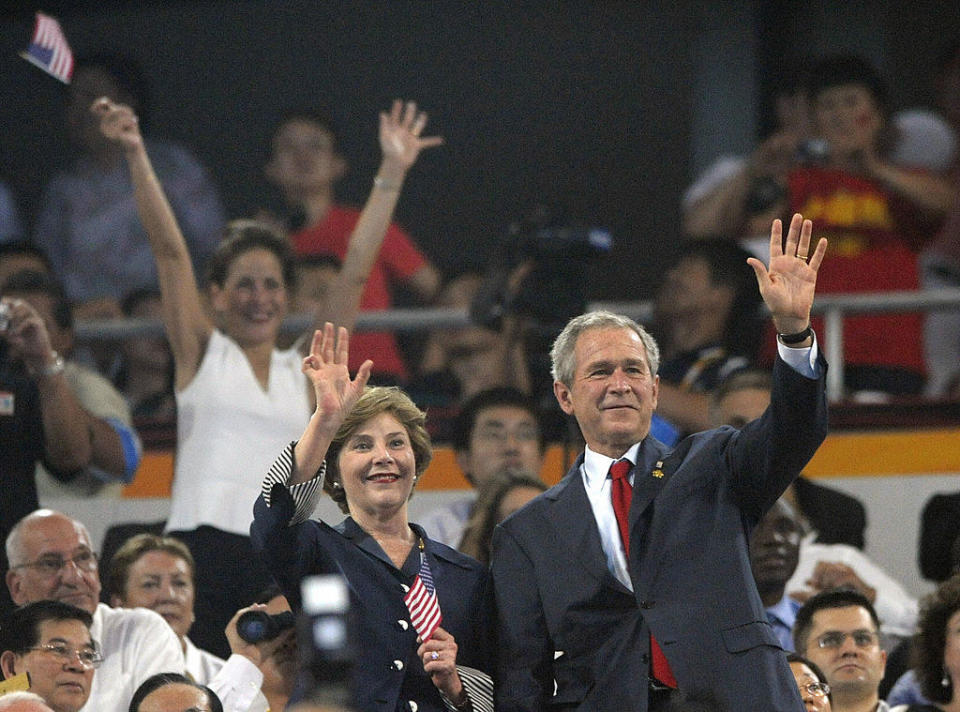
326 367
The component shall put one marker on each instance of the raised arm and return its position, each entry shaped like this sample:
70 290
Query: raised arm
401 143
187 326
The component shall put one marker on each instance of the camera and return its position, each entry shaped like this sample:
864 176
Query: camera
326 637
257 626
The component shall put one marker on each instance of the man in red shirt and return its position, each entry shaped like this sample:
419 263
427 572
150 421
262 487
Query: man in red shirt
305 166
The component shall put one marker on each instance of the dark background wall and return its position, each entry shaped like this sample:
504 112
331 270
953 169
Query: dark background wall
606 108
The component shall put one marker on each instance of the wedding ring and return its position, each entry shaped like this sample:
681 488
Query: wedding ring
434 655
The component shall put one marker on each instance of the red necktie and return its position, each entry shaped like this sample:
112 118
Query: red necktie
621 493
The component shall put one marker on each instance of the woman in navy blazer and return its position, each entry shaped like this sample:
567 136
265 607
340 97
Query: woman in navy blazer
367 447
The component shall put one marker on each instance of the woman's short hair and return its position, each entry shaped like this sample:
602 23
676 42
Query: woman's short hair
374 401
562 354
478 533
930 640
118 571
162 679
241 236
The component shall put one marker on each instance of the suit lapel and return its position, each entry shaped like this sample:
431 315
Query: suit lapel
573 522
649 475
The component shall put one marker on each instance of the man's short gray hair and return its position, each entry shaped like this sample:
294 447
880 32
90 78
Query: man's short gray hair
14 542
562 355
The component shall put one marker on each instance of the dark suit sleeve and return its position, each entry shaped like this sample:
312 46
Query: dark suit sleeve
525 650
769 453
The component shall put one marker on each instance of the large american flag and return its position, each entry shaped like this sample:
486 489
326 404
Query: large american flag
49 49
422 602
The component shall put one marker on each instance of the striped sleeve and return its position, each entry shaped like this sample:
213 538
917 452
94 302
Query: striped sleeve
305 495
479 688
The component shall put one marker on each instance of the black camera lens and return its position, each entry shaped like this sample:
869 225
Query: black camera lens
257 626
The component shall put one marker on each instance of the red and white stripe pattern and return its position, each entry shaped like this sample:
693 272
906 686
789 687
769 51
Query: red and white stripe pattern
49 49
422 602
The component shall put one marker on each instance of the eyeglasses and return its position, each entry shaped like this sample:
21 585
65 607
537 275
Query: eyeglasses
817 689
50 566
861 638
89 658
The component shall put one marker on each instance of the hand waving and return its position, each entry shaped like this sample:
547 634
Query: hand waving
400 131
788 285
118 123
326 367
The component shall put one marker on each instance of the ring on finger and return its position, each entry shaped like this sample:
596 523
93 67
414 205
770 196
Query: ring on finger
434 655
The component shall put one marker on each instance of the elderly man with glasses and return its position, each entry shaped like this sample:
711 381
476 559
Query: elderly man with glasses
51 558
51 642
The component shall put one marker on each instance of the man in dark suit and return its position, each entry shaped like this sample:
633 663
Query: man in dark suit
624 592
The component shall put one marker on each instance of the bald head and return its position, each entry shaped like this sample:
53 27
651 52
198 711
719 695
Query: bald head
51 557
23 702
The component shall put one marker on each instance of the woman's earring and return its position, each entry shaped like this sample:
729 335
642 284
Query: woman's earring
945 682
336 484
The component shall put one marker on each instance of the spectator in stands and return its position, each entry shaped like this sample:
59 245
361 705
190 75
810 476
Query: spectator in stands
459 363
19 256
305 166
23 702
41 418
10 226
940 260
709 322
496 429
114 443
51 642
173 692
774 552
145 370
87 221
823 565
936 653
500 496
829 515
51 558
839 631
238 396
158 573
811 682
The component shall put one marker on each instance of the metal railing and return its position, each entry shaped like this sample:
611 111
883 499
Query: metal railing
833 308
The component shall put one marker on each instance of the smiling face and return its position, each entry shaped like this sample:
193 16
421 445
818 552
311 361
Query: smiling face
162 582
377 467
304 160
612 394
51 537
252 301
848 117
853 671
64 684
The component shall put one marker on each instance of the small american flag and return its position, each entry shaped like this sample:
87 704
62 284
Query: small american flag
422 602
49 49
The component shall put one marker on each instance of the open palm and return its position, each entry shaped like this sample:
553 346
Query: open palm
326 367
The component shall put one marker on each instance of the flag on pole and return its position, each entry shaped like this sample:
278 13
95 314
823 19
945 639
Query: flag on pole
422 602
49 49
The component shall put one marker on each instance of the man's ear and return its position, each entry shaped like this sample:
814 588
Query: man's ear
8 664
563 397
13 585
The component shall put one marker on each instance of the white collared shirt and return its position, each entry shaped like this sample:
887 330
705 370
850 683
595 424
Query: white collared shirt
596 480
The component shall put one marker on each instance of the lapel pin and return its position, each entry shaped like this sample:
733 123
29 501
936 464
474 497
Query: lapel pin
657 472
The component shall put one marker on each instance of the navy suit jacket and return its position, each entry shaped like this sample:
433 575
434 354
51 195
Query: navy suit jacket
573 637
387 671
